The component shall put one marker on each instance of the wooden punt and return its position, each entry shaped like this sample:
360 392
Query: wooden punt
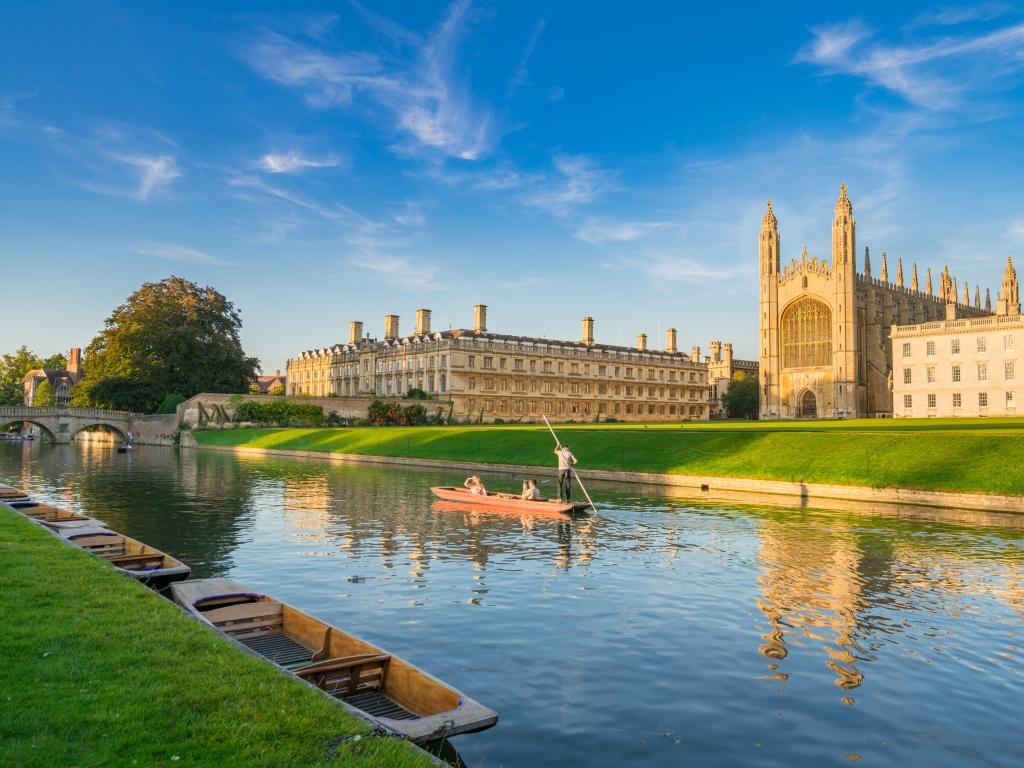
57 518
9 494
391 691
508 502
140 561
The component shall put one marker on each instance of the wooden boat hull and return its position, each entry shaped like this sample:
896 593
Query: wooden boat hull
506 502
143 563
58 519
372 683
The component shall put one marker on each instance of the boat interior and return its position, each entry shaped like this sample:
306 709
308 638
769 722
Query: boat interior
47 512
343 666
121 551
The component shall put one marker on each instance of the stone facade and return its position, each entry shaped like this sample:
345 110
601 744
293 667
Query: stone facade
962 367
824 338
487 376
62 382
721 368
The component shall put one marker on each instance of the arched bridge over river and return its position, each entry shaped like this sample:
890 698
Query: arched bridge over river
61 423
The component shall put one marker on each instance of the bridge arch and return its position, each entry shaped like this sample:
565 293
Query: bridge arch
48 435
116 430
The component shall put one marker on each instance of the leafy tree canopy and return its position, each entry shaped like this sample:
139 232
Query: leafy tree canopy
741 401
168 337
44 394
14 366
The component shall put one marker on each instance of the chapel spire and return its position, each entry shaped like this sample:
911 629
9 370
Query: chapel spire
769 242
1008 302
988 300
867 262
844 256
914 284
899 272
928 283
967 294
884 276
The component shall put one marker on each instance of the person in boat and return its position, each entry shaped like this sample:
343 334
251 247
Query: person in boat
475 486
530 491
565 464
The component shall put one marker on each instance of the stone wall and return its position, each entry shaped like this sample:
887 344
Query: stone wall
217 408
160 429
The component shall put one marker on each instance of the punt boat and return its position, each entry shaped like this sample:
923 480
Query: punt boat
150 566
57 519
508 502
390 690
7 494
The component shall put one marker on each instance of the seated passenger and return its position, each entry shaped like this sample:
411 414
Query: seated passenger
475 486
530 491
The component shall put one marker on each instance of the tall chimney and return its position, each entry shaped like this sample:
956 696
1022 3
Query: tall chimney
355 332
588 330
480 318
641 341
728 355
670 341
390 326
716 351
422 321
75 360
695 353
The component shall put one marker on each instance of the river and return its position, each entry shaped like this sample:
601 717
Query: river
659 632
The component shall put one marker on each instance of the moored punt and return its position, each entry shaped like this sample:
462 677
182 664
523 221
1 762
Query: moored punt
9 494
387 689
506 501
140 561
57 518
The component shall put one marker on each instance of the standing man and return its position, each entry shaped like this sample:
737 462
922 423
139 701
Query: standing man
565 463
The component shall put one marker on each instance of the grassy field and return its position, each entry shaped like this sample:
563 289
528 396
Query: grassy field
98 670
983 455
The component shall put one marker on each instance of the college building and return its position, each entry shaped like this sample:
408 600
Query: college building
961 366
486 376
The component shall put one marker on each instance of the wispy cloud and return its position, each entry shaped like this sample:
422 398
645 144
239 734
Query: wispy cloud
597 231
398 271
934 74
578 180
289 162
180 253
426 98
952 15
666 269
154 172
410 216
519 76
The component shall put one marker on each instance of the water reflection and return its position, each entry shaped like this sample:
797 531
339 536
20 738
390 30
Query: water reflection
656 631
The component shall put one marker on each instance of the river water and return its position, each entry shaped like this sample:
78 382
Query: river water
659 632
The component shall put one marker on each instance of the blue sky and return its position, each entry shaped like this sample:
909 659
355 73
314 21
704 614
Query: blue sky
336 161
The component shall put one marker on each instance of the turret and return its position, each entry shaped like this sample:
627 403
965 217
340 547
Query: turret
899 273
769 242
977 297
928 284
867 262
988 300
1008 302
885 270
914 285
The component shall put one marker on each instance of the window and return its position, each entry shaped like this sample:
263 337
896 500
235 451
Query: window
908 401
983 399
931 349
471 384
907 375
574 368
488 362
931 401
956 400
501 362
519 365
954 346
444 361
533 366
982 344
956 373
931 374
561 367
982 371
1008 345
547 366
1008 372
1009 400
807 334
906 349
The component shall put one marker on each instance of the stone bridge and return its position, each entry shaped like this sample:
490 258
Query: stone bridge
60 424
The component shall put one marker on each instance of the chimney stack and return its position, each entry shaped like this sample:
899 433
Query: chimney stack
588 330
480 318
716 351
277 373
422 322
75 360
670 341
390 326
695 353
641 341
355 332
728 355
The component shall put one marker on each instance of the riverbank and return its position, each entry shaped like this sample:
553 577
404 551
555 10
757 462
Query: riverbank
99 670
975 456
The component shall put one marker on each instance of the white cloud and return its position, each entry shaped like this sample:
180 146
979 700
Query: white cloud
154 172
597 231
578 181
426 99
181 253
289 162
397 271
668 269
951 15
410 216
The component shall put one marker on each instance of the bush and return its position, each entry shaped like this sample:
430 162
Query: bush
417 394
280 412
170 403
276 391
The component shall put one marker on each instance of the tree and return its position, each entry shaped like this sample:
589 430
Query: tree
168 337
276 391
44 394
13 368
741 401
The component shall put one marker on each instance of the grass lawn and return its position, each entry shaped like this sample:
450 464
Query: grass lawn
97 670
984 455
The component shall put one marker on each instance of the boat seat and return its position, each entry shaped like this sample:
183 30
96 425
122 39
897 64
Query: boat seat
349 675
127 560
259 625
280 649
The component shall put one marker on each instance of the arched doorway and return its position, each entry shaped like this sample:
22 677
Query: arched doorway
808 405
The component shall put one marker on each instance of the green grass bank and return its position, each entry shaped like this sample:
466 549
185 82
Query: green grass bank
970 455
98 670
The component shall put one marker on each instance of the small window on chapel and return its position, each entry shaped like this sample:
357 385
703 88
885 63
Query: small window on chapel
805 281
982 344
906 349
983 399
931 401
957 400
908 401
954 346
907 375
931 349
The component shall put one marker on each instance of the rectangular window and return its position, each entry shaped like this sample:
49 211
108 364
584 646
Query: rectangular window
956 400
982 344
908 401
931 374
444 361
574 368
547 366
907 375
533 366
1008 345
931 349
983 399
1008 370
954 346
956 373
501 363
931 401
519 365
488 362
982 371
906 349
561 367
471 384
1009 400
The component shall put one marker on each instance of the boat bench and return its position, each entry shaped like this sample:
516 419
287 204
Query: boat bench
124 561
349 675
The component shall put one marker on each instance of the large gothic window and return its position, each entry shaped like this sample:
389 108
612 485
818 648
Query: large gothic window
807 335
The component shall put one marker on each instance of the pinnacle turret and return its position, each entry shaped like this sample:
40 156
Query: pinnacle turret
867 261
884 275
988 300
914 285
899 273
928 284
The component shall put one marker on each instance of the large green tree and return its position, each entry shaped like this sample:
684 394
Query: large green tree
44 395
168 337
741 401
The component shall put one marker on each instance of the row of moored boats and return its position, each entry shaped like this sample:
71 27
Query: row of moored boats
380 687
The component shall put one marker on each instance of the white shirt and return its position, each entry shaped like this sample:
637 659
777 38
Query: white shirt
565 459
